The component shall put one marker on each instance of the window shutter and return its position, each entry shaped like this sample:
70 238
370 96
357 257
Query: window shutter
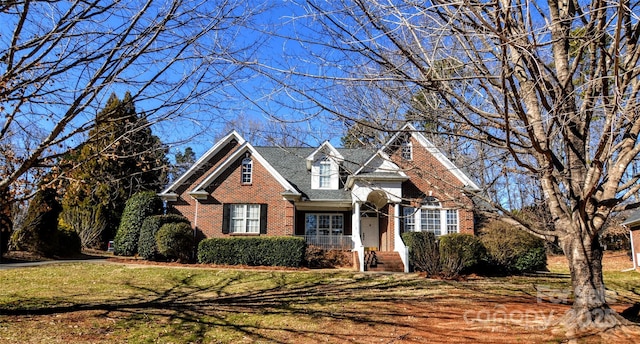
226 210
263 219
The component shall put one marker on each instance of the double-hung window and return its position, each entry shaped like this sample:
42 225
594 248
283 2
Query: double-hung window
409 217
324 173
244 218
452 221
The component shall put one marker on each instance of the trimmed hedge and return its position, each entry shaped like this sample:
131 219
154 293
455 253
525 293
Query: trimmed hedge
460 253
138 207
147 247
175 240
253 251
423 252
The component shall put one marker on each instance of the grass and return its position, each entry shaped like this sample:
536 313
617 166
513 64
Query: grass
100 303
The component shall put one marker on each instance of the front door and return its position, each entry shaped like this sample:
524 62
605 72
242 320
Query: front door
370 232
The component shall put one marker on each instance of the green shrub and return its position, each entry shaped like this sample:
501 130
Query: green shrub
255 251
147 247
175 240
423 252
460 253
138 207
511 250
42 233
533 260
40 226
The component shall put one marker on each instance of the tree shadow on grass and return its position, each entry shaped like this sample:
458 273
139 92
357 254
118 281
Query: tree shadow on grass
273 307
197 308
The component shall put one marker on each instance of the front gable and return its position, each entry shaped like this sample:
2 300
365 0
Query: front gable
202 166
246 152
413 151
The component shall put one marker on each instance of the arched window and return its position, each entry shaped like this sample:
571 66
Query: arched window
431 202
247 170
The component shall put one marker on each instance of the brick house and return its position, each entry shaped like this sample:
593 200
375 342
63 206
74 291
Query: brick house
351 199
633 223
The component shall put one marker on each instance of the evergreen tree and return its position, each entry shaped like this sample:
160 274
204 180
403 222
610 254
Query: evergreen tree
120 157
183 162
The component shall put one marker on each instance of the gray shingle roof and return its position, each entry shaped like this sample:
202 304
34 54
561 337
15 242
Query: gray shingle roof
291 164
634 218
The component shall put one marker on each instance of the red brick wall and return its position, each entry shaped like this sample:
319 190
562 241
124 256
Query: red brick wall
428 175
227 188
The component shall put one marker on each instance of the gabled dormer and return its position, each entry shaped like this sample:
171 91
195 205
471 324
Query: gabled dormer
324 165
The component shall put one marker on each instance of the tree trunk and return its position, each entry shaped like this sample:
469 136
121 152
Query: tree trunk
590 310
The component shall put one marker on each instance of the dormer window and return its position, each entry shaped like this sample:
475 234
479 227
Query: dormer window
407 150
324 173
324 165
247 170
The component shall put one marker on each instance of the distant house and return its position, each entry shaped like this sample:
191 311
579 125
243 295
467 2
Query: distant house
350 199
633 223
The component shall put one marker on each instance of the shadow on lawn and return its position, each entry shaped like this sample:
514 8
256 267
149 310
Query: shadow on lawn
196 309
277 313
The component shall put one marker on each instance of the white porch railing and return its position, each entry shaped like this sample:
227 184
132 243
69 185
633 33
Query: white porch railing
329 242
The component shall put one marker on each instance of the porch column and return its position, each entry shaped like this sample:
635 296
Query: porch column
398 244
355 234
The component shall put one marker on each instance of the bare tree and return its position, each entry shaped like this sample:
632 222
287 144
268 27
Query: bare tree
552 85
59 61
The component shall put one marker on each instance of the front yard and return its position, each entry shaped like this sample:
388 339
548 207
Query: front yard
115 303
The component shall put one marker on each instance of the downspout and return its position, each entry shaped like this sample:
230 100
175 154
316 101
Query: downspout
195 229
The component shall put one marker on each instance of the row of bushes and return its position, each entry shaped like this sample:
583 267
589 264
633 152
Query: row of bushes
254 251
143 231
152 236
499 250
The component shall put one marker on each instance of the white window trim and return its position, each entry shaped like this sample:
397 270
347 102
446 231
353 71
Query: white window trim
333 182
245 219
324 173
415 214
246 162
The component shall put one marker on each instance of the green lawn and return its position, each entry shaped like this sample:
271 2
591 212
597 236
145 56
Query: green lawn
113 303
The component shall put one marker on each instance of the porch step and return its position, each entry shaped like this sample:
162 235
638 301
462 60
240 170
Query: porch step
383 261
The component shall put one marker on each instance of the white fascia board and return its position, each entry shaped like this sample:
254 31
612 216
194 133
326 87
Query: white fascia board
431 148
246 147
204 158
333 152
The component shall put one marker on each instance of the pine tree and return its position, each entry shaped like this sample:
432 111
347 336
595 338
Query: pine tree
120 157
183 162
